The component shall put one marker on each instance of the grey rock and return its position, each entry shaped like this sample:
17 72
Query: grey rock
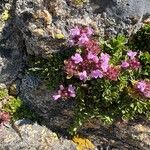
56 115
10 65
33 137
115 16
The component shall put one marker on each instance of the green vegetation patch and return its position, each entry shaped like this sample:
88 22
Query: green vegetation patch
50 70
141 40
16 108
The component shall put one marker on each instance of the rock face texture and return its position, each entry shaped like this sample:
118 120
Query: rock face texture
32 136
38 28
41 21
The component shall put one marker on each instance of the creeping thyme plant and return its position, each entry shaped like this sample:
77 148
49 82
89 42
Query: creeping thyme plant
106 79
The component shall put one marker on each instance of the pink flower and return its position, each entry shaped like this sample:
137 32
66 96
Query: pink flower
134 64
77 58
124 64
71 89
92 57
141 86
65 92
56 97
89 31
113 73
104 61
75 32
4 118
83 39
144 88
105 57
131 54
97 73
83 75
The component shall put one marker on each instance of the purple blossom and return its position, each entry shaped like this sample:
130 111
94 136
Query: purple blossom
83 39
147 93
75 32
83 75
77 58
105 57
141 86
124 64
131 54
89 31
71 89
4 118
104 61
134 64
92 57
104 66
56 97
97 73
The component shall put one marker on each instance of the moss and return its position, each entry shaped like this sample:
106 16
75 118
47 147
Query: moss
141 40
79 2
16 108
5 15
59 36
3 93
83 143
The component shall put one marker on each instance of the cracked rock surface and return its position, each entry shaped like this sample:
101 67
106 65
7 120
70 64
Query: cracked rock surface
33 137
33 30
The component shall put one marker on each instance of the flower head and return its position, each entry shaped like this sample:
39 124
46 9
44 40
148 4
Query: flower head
71 90
83 39
134 64
124 64
89 31
93 57
75 32
77 58
144 88
83 75
4 118
131 54
104 58
65 92
56 97
113 72
96 73
141 86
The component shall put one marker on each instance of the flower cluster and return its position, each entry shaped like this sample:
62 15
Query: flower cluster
4 118
90 66
143 87
65 92
132 62
91 62
82 37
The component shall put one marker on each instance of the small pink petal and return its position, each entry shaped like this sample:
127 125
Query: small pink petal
131 54
124 64
56 97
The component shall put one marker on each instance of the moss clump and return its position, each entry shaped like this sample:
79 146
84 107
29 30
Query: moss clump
16 108
141 40
79 2
83 143
3 93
